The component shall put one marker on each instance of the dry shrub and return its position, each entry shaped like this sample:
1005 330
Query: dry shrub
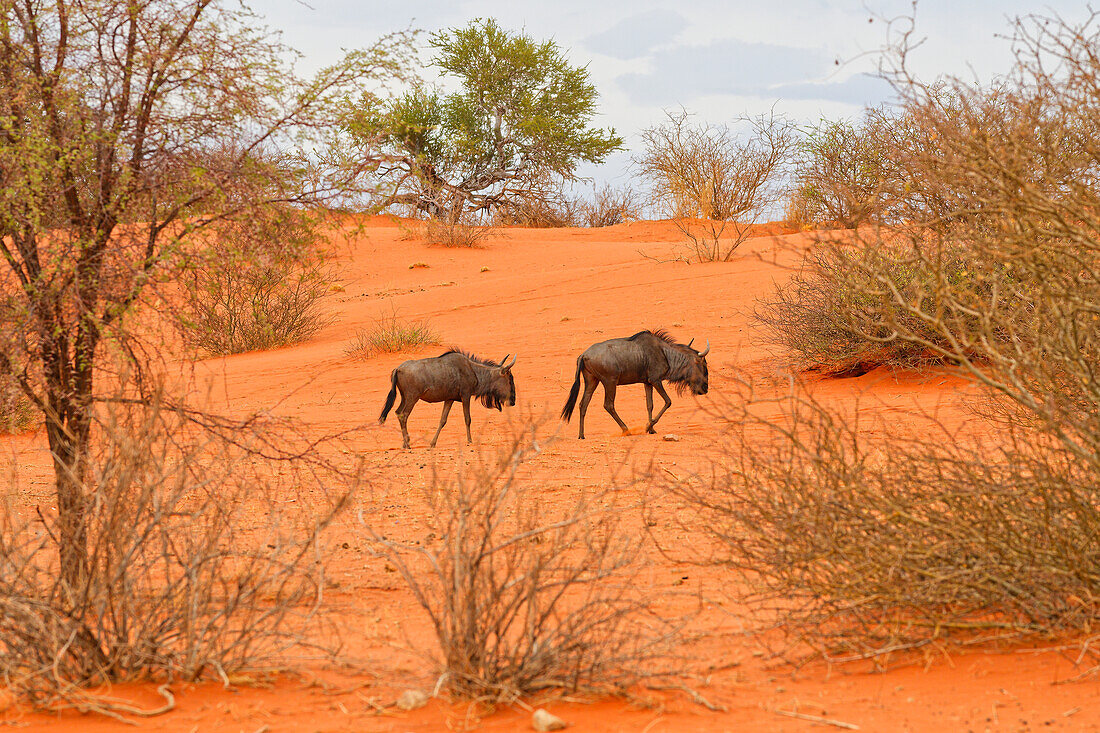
454 232
195 567
859 546
864 546
610 206
391 335
258 284
851 309
713 173
545 212
841 172
527 595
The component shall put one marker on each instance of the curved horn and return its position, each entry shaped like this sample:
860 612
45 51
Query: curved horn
509 364
501 362
691 342
705 351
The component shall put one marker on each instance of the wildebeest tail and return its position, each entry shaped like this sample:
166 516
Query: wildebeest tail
567 411
389 398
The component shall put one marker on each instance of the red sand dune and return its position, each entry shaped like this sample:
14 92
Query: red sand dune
546 295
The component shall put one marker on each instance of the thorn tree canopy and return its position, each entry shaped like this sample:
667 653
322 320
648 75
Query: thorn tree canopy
514 131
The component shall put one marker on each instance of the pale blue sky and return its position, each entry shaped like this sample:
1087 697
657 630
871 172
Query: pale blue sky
716 58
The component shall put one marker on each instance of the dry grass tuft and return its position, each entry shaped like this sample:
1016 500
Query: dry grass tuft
391 335
454 232
17 413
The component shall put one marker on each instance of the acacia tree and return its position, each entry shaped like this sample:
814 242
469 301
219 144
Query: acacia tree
126 127
513 133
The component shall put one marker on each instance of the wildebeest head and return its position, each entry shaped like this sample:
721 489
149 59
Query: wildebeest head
696 376
501 388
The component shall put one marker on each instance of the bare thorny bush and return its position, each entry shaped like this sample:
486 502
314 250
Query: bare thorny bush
857 546
717 182
607 206
197 565
861 546
525 596
455 227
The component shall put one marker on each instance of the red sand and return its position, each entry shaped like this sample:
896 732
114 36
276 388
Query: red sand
546 295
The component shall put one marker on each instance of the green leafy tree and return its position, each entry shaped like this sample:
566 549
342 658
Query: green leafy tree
514 132
127 128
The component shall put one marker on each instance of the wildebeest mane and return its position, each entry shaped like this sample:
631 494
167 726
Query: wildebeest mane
679 358
472 357
490 399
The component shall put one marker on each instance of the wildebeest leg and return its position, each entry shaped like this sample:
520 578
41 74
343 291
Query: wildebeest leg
609 405
590 384
649 407
442 420
668 403
403 411
466 414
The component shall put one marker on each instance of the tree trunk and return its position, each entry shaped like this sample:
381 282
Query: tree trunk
69 448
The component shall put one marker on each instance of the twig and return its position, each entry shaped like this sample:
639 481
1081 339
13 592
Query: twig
695 696
816 719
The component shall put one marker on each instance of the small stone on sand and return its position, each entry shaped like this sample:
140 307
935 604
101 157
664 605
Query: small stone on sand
544 721
412 699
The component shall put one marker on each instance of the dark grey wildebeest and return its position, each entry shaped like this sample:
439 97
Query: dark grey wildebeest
451 377
649 357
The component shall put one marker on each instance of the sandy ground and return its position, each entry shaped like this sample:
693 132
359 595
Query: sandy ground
546 295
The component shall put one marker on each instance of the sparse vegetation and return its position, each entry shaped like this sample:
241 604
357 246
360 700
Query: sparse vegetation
195 569
716 174
391 335
864 547
525 596
259 284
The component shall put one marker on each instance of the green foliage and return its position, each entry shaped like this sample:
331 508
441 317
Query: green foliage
842 173
517 127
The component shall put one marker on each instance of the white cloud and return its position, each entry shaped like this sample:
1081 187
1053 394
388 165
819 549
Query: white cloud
637 35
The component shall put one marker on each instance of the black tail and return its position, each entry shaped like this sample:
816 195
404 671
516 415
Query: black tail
389 398
567 411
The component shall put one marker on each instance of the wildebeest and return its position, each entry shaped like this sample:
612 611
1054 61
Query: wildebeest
649 357
448 378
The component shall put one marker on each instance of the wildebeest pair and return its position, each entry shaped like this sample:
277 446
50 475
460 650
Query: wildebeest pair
647 357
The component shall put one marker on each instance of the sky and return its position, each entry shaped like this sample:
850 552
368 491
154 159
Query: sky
717 59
